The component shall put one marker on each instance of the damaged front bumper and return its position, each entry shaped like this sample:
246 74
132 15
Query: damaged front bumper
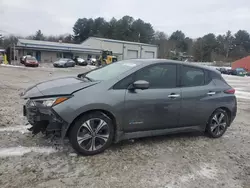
45 120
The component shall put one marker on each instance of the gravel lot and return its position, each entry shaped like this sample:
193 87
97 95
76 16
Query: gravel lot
183 160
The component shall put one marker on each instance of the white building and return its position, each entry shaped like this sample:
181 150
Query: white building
48 52
122 49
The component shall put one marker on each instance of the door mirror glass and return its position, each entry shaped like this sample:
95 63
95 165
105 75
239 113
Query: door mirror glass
141 84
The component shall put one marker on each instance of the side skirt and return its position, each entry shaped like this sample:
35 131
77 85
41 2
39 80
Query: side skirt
125 136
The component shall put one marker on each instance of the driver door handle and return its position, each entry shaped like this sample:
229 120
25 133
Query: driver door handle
173 96
211 93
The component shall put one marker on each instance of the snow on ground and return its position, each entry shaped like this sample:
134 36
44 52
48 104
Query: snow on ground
240 84
22 129
20 151
173 161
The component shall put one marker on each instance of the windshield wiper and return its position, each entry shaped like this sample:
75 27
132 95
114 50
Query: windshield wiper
82 76
88 78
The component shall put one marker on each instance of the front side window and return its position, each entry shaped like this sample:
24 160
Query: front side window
191 76
158 76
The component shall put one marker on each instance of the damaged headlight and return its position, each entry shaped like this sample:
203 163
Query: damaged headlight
47 102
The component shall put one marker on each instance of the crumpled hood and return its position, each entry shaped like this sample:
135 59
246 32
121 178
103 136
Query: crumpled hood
56 87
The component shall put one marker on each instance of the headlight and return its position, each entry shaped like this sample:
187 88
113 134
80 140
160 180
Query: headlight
48 102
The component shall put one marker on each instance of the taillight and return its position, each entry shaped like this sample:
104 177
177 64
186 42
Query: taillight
230 91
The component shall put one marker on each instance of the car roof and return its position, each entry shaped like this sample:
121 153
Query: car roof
155 61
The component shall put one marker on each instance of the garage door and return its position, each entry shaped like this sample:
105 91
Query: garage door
149 55
132 54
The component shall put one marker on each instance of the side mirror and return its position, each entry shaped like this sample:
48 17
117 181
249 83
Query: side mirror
140 84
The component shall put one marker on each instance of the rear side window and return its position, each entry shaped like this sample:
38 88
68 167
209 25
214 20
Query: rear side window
217 76
192 76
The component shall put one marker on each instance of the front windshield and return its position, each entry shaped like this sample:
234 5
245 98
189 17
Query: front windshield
112 70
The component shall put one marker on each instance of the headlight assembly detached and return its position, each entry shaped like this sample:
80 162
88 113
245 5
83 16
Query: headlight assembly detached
47 102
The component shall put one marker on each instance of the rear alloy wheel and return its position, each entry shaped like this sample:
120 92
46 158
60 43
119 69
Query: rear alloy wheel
218 123
92 134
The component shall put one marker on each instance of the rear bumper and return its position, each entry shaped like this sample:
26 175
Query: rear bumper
44 120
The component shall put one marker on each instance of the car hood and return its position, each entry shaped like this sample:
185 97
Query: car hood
56 87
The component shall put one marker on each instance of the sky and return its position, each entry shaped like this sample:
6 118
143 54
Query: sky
194 17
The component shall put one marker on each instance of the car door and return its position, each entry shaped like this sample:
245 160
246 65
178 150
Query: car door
157 107
197 93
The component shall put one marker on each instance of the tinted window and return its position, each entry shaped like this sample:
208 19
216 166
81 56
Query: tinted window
124 83
158 76
192 76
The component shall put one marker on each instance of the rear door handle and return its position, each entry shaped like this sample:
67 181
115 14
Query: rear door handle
173 96
211 93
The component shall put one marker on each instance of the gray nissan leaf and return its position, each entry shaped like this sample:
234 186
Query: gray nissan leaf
130 99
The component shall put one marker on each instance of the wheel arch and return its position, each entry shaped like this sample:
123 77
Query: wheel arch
107 113
229 113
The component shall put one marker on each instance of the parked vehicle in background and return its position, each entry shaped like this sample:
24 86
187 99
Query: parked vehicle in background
30 61
64 62
231 72
223 70
131 99
80 61
92 61
240 72
23 58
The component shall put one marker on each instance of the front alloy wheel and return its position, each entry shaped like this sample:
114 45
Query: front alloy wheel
92 133
218 123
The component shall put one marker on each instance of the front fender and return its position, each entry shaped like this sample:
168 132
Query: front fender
70 115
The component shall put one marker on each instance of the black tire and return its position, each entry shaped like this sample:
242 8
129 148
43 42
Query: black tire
216 128
78 128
